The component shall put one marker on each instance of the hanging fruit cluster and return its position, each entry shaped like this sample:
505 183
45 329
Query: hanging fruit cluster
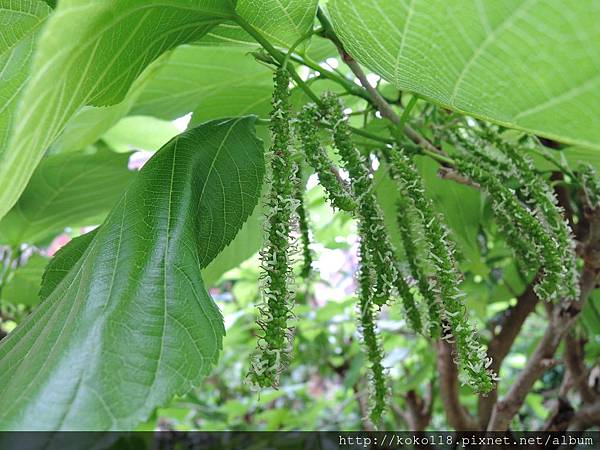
429 288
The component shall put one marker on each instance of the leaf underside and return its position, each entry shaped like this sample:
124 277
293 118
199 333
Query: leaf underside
511 62
127 322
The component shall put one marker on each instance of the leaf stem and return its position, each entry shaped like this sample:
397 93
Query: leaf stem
302 38
426 147
350 87
279 57
407 110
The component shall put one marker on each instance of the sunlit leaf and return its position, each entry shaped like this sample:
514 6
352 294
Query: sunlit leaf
89 54
283 22
212 82
20 23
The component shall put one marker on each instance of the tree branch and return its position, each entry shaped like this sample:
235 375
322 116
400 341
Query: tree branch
458 417
377 99
384 107
586 417
446 173
419 409
576 369
561 321
563 414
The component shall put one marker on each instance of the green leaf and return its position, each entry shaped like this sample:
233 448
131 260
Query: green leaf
130 324
282 22
511 62
62 262
211 81
140 133
90 122
24 285
247 242
69 190
89 54
20 21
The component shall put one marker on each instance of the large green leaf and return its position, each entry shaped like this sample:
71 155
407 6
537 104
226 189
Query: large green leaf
90 122
131 324
246 243
20 23
528 64
89 54
283 22
67 190
212 81
62 262
140 133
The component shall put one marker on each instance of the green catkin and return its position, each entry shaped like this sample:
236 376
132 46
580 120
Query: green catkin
515 237
516 222
274 343
590 183
405 226
472 356
367 315
542 199
538 220
307 257
388 276
337 190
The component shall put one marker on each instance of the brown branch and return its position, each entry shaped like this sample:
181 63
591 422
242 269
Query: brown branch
377 99
561 321
502 342
419 409
576 369
458 417
560 418
588 416
563 415
446 173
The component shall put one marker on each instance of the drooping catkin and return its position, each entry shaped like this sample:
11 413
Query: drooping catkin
541 199
590 183
472 356
522 229
274 340
367 315
528 215
405 213
337 189
307 255
389 279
